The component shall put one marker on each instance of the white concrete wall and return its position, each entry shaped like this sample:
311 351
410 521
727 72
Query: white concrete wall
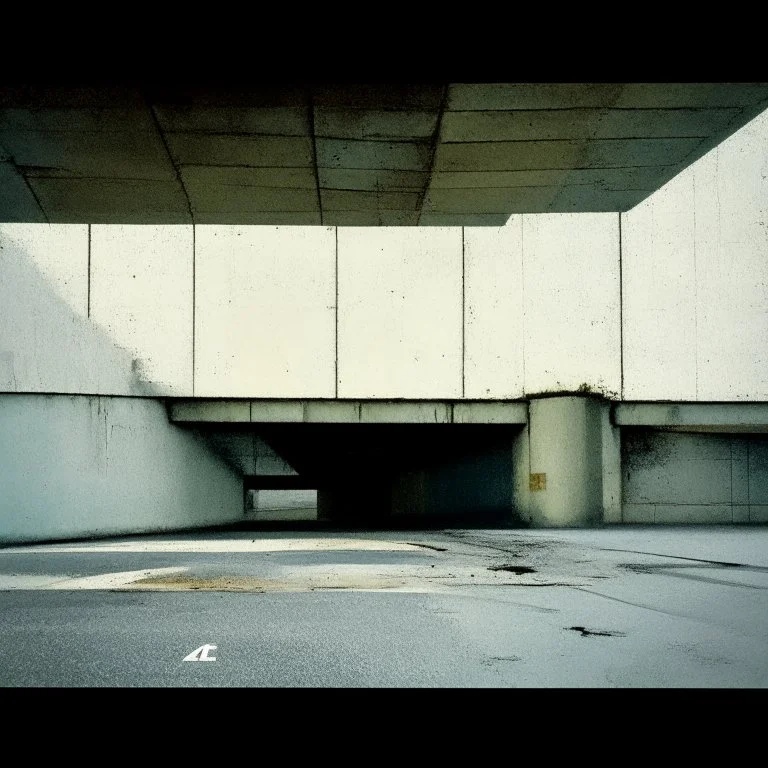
678 478
141 294
400 312
77 466
695 269
47 341
539 300
494 309
571 303
265 314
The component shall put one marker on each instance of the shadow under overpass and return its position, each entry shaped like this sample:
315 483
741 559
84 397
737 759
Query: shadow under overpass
397 475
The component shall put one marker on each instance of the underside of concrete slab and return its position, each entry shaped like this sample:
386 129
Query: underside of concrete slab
444 154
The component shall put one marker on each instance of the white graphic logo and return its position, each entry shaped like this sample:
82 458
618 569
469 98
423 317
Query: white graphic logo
201 654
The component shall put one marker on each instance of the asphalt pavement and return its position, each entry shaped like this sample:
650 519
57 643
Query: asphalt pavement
275 607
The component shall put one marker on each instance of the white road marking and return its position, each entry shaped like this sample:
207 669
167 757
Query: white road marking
227 545
201 653
100 581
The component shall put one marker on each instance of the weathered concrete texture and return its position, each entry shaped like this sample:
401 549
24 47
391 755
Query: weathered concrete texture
696 279
17 202
693 478
130 155
74 467
405 413
141 294
400 301
216 411
111 201
571 303
566 461
243 450
204 411
493 311
47 342
265 312
707 416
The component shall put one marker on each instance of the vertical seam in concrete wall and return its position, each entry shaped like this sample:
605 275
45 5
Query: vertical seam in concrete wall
621 310
463 318
336 370
88 311
522 291
311 110
193 309
731 453
695 299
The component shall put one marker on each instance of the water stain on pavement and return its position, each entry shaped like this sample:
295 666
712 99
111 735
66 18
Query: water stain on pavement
588 632
518 569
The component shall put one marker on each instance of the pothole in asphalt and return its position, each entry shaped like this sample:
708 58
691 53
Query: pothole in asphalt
518 569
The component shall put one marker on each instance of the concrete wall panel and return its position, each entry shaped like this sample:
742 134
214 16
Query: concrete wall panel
59 252
265 311
74 466
696 279
678 477
47 342
400 312
141 294
571 302
493 312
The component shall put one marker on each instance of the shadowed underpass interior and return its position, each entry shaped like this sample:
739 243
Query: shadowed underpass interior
396 475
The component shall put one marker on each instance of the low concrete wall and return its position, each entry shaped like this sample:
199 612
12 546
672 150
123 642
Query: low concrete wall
80 466
679 477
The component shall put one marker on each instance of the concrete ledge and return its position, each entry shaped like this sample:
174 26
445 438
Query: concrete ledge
332 412
277 410
704 416
404 413
209 410
490 413
348 411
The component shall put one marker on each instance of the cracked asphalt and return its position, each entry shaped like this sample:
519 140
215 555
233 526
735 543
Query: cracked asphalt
618 607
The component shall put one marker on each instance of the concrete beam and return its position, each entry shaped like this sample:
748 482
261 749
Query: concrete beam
691 415
201 410
490 413
404 413
209 410
277 411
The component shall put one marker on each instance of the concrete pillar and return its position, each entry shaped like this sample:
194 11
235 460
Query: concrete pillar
573 462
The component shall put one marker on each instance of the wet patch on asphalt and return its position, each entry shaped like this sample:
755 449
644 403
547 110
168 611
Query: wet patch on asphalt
427 546
598 632
518 569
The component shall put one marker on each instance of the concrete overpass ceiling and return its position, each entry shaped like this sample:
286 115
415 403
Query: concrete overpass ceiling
446 154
